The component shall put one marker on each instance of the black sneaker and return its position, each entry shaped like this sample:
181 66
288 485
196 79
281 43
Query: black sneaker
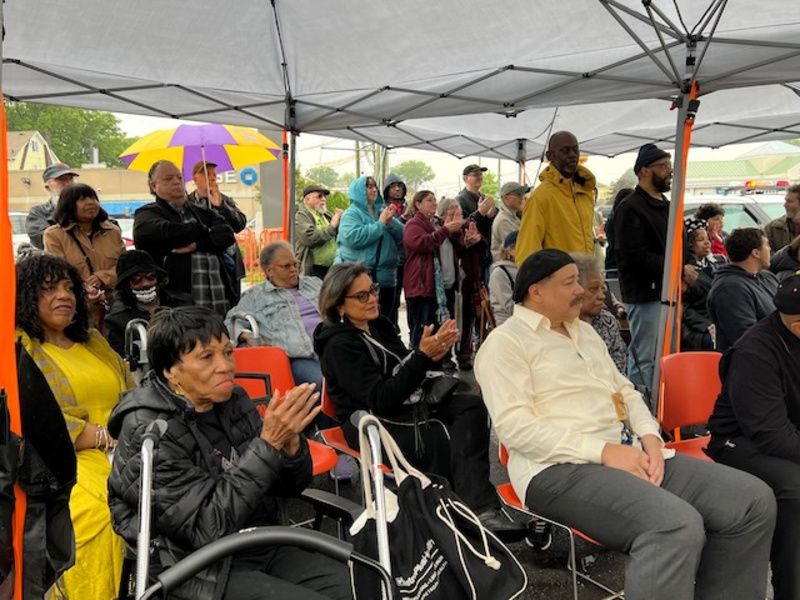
465 365
541 535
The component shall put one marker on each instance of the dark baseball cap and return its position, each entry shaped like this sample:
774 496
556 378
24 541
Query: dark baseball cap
199 167
474 169
310 189
57 170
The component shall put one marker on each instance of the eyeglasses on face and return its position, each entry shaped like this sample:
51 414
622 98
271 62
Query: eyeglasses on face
364 295
664 166
142 277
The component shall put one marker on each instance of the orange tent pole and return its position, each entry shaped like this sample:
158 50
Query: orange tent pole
676 271
8 367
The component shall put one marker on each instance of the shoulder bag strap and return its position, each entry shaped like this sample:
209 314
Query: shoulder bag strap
80 247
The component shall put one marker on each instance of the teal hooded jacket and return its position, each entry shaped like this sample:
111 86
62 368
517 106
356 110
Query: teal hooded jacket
360 232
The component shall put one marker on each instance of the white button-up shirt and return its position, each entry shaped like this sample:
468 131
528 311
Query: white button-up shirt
549 395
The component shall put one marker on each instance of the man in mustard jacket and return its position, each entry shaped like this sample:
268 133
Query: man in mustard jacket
559 212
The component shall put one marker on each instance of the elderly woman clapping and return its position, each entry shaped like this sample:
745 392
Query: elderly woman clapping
285 309
220 467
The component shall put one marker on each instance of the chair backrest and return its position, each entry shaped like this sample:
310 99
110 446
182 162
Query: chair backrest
689 386
264 359
502 454
328 409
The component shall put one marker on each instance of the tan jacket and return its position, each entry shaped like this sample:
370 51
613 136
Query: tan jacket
103 249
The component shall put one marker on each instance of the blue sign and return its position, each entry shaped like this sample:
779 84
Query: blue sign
248 175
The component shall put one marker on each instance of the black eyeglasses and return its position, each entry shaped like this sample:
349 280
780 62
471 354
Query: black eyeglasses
365 295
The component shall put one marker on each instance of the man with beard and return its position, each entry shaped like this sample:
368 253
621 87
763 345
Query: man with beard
781 231
315 232
560 212
640 235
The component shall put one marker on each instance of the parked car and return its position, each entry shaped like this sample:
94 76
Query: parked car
19 234
740 211
126 225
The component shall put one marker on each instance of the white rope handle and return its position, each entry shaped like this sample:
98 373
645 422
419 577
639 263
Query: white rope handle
444 516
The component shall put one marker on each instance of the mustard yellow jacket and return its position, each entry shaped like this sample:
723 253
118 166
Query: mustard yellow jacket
558 214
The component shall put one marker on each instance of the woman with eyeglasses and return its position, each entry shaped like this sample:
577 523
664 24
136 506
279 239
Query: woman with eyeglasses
367 367
285 309
594 311
139 292
371 232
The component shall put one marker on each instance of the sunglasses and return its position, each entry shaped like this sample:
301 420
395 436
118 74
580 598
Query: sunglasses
365 295
142 277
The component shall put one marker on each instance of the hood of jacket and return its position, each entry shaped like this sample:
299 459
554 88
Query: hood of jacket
357 193
325 332
583 177
390 179
785 259
731 271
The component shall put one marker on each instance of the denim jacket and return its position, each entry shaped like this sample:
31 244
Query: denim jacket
277 315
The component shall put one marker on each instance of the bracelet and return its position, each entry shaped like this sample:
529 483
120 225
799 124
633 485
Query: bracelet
103 440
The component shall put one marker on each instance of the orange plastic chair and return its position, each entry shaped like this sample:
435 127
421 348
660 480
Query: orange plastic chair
274 362
509 497
334 436
688 388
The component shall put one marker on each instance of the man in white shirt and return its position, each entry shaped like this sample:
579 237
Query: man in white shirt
585 451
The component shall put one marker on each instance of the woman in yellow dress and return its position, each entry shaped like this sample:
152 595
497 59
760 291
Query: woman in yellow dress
86 377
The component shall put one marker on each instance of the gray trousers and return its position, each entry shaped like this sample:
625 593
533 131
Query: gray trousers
704 534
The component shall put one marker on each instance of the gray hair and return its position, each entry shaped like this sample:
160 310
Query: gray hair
338 280
151 174
587 266
444 204
270 250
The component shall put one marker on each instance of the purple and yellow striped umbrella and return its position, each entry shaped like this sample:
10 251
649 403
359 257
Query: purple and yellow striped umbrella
228 146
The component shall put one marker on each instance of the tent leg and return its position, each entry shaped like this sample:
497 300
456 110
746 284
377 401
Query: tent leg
670 282
289 233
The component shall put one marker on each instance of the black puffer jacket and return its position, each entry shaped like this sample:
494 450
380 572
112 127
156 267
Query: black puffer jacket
194 501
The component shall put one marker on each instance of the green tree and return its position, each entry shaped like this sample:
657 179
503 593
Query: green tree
72 132
414 173
323 175
346 179
337 200
490 185
300 183
627 180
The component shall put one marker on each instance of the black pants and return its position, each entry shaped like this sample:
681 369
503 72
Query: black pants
464 347
783 476
456 446
386 303
298 574
421 312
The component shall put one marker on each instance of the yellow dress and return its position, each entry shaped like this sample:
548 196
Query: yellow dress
98 550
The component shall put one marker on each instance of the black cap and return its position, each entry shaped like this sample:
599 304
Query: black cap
474 169
536 267
310 189
648 154
136 261
787 298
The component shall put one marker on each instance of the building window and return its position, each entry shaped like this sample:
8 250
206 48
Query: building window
34 146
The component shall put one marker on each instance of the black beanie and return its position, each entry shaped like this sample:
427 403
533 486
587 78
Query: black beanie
648 154
538 266
787 298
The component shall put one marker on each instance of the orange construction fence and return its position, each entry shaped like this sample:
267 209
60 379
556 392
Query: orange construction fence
251 246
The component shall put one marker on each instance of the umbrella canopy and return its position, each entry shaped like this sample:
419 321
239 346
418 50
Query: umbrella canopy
227 146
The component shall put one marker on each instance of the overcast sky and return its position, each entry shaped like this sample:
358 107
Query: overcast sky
313 150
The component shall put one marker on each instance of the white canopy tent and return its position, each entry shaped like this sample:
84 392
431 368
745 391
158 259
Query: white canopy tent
413 73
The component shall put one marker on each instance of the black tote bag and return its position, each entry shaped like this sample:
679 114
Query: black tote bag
438 548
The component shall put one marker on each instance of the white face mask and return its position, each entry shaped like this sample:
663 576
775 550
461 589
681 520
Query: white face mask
147 295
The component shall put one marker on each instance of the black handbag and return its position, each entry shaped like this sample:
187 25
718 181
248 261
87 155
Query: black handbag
438 388
439 549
